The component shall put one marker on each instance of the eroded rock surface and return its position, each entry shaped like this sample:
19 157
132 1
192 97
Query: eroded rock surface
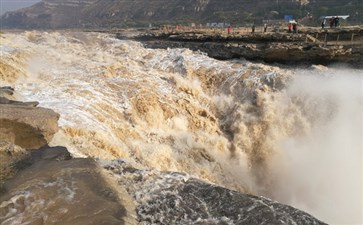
7 92
175 198
270 47
53 188
25 125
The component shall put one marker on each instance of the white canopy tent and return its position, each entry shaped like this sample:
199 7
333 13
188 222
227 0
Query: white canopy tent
344 17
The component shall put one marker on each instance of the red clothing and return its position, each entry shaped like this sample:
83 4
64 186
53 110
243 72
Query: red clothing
290 27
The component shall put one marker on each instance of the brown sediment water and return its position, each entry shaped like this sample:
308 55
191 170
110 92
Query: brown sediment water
289 134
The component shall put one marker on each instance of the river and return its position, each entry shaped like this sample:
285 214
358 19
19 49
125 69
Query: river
291 134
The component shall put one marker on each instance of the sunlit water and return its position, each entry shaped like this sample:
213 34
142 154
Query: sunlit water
292 135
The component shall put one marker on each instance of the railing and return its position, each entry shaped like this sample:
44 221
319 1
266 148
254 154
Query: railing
333 39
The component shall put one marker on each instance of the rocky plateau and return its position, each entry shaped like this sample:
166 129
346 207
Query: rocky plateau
309 46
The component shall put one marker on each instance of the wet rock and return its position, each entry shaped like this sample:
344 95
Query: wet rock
202 203
52 188
44 153
9 155
8 101
25 125
175 198
6 91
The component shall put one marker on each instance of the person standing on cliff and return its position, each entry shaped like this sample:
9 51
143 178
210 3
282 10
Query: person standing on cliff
229 29
323 23
336 22
331 22
294 27
265 28
253 28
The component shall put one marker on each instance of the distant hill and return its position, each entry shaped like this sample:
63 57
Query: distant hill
139 13
7 5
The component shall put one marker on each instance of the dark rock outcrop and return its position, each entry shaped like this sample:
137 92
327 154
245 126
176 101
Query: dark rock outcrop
6 92
272 47
4 100
175 198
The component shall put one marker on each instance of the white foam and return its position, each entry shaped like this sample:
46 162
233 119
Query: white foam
175 109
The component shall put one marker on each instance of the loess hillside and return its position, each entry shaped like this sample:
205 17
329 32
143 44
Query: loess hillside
140 13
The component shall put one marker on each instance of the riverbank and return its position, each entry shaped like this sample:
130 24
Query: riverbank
308 46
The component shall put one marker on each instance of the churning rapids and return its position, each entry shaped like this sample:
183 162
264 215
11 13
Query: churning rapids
292 135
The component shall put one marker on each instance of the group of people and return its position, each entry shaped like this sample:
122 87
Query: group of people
292 28
333 22
254 28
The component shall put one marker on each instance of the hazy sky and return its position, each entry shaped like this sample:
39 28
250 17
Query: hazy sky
9 5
